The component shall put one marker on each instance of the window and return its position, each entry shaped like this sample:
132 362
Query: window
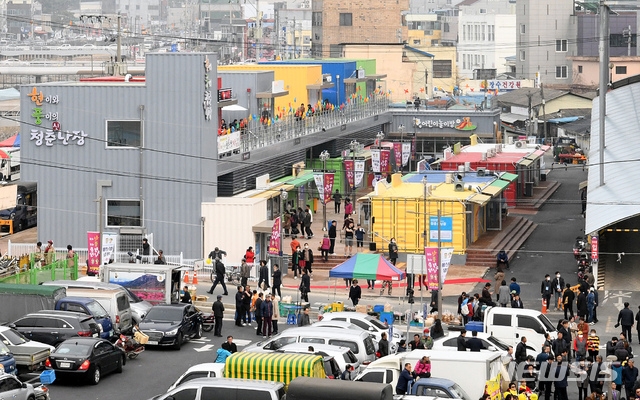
483 27
445 27
621 70
345 19
76 308
190 394
9 384
561 45
195 375
491 33
375 377
579 69
433 391
360 324
523 29
49 323
530 323
523 55
316 19
345 343
561 72
124 213
453 342
123 133
220 393
442 69
279 342
416 41
312 340
502 320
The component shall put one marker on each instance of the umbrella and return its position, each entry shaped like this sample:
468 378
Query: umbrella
234 107
13 141
367 266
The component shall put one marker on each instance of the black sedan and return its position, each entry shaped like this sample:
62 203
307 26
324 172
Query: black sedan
87 358
171 324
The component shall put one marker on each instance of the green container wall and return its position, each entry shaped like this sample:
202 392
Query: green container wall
369 66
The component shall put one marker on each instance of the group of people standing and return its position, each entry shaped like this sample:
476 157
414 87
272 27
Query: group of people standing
298 222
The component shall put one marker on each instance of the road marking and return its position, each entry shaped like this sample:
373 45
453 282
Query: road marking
618 295
206 347
241 342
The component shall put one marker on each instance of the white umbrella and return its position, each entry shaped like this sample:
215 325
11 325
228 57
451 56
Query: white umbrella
234 107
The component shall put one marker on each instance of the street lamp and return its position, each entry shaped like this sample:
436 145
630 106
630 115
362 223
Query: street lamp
401 129
324 156
283 197
354 146
380 136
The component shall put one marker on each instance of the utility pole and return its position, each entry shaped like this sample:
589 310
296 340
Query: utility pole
295 46
627 34
530 119
544 112
439 264
603 50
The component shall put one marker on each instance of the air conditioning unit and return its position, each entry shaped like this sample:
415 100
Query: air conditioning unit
481 171
484 156
537 147
459 176
448 178
467 166
459 187
521 144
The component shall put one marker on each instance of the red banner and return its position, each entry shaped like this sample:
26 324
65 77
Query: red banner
594 248
274 242
431 257
328 186
397 151
93 257
385 156
348 169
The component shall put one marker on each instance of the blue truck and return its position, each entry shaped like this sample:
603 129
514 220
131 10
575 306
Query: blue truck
7 362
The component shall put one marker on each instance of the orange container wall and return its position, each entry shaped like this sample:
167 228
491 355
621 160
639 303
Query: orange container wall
295 77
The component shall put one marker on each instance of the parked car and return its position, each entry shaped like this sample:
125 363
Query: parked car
90 307
368 323
12 337
7 362
12 388
53 327
172 324
343 355
204 370
86 358
490 343
28 354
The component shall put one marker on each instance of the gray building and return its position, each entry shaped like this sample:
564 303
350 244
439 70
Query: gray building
138 158
546 33
620 42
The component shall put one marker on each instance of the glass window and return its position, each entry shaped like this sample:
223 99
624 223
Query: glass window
621 70
523 55
360 324
123 133
433 392
76 308
561 45
345 19
124 213
530 323
190 394
123 302
25 322
579 69
279 342
523 29
194 375
49 323
9 384
502 320
442 69
250 394
312 340
316 18
376 377
345 343
450 342
561 72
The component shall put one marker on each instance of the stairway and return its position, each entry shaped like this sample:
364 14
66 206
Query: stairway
541 194
516 230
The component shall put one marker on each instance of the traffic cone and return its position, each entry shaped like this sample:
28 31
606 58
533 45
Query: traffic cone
194 281
544 306
186 277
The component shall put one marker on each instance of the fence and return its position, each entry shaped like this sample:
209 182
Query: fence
56 270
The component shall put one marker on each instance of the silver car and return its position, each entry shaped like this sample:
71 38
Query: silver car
12 388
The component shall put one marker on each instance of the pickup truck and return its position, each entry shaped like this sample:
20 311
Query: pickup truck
7 362
28 354
436 387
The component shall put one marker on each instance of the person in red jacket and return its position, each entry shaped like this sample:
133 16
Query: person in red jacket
250 256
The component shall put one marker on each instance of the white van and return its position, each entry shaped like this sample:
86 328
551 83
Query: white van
204 370
359 342
368 323
511 324
225 388
115 302
343 355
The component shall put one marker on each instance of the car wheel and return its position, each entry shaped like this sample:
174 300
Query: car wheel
178 342
120 364
95 377
199 331
31 397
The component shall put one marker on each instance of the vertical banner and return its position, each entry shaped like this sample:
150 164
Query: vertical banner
445 260
359 167
328 185
385 157
348 169
318 177
431 258
93 258
108 247
274 242
406 152
397 152
375 161
595 248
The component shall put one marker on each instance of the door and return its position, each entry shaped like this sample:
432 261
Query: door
124 311
533 330
11 388
500 326
50 330
26 326
104 357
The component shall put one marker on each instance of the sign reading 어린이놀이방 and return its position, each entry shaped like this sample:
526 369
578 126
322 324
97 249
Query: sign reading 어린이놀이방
206 103
459 124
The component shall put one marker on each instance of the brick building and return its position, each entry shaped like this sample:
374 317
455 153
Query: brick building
335 22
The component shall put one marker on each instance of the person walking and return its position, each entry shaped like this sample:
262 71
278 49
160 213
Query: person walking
629 378
521 351
218 314
303 318
246 306
514 286
333 232
568 297
245 272
276 313
393 251
220 273
305 286
560 383
348 208
498 277
546 290
337 201
307 255
385 284
355 292
267 315
591 303
349 231
240 313
558 286
325 247
383 345
595 305
360 232
626 319
277 280
581 305
593 344
308 220
263 274
216 253
580 372
637 319
257 311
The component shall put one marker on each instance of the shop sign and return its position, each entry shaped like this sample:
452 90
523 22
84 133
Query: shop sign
504 85
459 124
50 137
595 248
228 143
446 229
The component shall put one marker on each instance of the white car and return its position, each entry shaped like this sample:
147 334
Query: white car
12 388
368 323
343 355
491 343
205 370
12 337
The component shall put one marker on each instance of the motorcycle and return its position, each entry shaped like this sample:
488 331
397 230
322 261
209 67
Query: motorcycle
131 347
208 322
580 246
583 260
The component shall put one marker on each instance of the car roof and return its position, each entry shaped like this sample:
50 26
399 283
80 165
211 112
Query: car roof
59 313
102 293
79 299
233 383
326 330
82 339
346 314
341 324
80 284
316 346
172 305
206 367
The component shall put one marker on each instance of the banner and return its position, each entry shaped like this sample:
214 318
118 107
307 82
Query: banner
108 247
375 161
319 180
445 260
359 172
406 152
397 152
93 245
431 258
594 248
228 143
274 242
446 229
328 185
385 156
348 169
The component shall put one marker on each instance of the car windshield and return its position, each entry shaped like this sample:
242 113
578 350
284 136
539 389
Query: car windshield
350 358
164 314
97 310
14 337
547 324
459 392
73 349
377 324
4 350
497 343
132 296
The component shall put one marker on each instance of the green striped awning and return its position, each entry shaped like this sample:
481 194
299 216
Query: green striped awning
276 367
506 176
525 162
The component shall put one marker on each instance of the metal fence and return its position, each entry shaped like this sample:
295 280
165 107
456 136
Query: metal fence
289 127
57 270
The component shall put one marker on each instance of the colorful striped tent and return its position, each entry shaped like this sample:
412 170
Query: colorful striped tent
367 266
277 367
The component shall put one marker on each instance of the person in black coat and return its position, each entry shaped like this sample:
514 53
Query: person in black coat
218 314
560 382
521 351
474 344
333 232
305 286
626 319
461 343
240 313
355 292
220 273
568 297
581 305
393 251
277 280
263 275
